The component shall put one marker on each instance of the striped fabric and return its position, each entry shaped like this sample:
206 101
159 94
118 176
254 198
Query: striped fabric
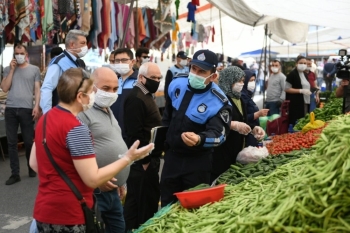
79 141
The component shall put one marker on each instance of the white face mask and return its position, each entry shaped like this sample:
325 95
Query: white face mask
144 60
238 87
91 101
105 99
308 68
113 67
301 67
275 69
20 59
83 51
251 86
122 69
183 62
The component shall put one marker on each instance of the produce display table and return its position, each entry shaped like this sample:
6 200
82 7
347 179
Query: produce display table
300 187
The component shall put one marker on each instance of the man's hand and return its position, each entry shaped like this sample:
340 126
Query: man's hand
121 192
145 166
317 99
108 186
13 64
36 113
190 138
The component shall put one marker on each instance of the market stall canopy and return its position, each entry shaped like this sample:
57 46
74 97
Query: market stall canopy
287 19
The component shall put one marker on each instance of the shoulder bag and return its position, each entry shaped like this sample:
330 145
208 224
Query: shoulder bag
93 221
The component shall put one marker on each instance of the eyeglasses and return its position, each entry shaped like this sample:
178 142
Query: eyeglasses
123 60
154 77
85 75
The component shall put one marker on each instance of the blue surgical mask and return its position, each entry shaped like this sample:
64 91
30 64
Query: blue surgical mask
196 81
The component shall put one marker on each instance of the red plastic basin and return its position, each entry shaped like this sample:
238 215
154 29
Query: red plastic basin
197 198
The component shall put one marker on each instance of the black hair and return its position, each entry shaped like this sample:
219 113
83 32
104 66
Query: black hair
124 50
140 51
300 57
279 62
19 45
55 52
308 59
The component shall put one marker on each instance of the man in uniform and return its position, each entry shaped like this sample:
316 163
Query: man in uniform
181 67
76 48
198 115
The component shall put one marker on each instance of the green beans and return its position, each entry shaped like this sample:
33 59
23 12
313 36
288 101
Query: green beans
309 194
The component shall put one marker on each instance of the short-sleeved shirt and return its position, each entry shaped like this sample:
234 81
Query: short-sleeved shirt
22 88
68 139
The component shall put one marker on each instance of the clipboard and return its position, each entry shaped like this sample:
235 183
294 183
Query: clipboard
158 136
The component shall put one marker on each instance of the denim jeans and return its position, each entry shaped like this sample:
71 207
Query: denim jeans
15 117
274 107
111 210
319 82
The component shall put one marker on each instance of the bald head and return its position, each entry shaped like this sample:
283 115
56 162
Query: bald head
105 79
149 70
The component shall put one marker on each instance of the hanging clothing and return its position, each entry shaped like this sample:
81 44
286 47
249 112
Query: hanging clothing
93 30
56 15
114 34
98 21
180 44
106 24
195 2
177 5
3 16
201 33
175 32
191 12
47 20
162 17
207 34
86 15
147 27
213 34
140 24
34 19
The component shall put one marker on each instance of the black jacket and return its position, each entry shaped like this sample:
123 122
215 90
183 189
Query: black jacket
226 154
141 114
296 104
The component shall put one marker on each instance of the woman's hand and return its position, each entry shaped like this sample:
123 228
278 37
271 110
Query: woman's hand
240 127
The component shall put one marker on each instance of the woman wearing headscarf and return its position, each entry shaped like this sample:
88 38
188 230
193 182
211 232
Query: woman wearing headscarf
231 82
298 91
253 112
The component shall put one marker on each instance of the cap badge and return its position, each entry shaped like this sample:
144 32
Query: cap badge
201 57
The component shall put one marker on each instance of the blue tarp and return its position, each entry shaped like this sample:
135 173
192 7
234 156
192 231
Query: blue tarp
257 53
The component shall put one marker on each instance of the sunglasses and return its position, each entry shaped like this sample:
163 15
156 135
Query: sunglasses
85 75
146 57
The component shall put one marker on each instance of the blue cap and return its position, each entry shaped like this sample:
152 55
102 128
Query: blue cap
205 59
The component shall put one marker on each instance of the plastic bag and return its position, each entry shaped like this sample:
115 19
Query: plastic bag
313 124
252 154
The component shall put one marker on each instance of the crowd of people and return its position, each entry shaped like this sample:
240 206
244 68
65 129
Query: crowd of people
97 127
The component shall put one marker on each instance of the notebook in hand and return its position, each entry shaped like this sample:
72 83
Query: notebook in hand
158 136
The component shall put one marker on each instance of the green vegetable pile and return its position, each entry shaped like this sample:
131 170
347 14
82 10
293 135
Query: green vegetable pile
310 194
331 109
199 187
238 172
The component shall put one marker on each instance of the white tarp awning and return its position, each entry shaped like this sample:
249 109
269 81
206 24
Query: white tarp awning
288 19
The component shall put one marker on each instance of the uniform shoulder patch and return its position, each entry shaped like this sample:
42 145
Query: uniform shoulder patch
222 97
225 116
